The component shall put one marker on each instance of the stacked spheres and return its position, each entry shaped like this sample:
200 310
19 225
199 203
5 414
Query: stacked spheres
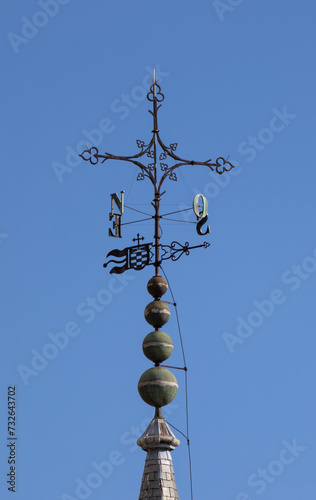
157 346
157 386
157 286
157 313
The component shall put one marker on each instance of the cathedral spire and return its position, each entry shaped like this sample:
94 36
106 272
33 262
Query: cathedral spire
157 386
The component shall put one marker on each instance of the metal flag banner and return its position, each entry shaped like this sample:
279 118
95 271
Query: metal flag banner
136 257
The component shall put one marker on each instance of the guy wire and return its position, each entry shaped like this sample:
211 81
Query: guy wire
186 384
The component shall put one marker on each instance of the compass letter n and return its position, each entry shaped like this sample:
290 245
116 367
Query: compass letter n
117 222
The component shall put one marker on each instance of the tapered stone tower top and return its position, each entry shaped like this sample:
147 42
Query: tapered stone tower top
158 482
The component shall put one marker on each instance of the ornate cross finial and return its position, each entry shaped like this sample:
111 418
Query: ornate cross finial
138 239
153 166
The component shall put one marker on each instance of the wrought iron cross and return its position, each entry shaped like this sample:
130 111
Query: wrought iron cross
138 238
151 172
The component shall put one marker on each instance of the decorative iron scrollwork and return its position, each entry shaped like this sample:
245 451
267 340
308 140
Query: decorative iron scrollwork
154 95
220 165
140 144
91 155
140 176
173 176
176 250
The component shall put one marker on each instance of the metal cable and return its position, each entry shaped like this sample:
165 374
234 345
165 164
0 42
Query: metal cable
178 211
135 221
178 430
169 213
135 210
186 185
151 217
131 183
177 220
186 385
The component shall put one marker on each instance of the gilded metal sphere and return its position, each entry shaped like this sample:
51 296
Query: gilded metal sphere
157 346
157 286
157 386
157 313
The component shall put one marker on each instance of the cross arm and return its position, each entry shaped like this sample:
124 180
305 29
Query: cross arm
219 166
93 156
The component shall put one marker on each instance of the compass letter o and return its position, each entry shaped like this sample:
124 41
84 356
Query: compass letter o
201 215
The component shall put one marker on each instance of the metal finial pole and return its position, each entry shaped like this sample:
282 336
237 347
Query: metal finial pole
157 191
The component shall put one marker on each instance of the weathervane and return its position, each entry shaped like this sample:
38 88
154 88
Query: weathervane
157 386
140 256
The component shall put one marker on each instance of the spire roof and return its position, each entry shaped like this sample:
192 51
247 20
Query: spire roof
158 482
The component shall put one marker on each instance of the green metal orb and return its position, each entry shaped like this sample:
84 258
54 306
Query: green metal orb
157 286
157 346
157 313
157 386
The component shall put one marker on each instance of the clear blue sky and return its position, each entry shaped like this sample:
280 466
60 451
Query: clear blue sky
239 80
